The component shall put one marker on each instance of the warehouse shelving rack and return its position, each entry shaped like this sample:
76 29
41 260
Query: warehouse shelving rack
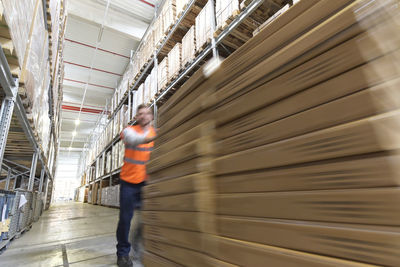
12 103
210 50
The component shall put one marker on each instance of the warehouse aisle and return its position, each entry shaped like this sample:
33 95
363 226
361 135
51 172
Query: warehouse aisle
73 234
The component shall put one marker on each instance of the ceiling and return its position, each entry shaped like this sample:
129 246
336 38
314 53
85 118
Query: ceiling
97 71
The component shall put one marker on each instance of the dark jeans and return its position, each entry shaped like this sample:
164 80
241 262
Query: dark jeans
130 199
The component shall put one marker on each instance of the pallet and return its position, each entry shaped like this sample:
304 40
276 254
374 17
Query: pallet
198 51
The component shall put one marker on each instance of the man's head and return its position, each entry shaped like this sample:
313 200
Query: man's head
144 115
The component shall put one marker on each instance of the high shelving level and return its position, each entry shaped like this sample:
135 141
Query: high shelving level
222 40
30 72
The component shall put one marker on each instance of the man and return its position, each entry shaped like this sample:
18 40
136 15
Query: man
139 143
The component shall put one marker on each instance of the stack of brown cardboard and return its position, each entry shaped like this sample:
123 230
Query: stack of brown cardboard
308 139
306 168
178 200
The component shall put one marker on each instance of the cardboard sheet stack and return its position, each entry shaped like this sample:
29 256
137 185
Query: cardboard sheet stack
306 168
308 139
178 205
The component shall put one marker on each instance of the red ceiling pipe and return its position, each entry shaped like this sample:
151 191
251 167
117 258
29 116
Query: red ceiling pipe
81 82
87 67
78 104
87 110
91 46
144 1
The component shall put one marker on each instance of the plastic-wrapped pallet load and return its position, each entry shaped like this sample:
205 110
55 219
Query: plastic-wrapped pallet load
225 9
174 61
139 95
168 15
162 74
203 26
147 90
188 47
180 6
20 26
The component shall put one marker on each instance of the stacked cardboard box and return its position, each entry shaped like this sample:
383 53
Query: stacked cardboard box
174 61
162 74
158 32
188 47
204 26
147 90
308 143
178 200
225 9
181 5
307 147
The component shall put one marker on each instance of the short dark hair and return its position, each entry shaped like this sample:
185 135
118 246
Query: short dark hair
141 106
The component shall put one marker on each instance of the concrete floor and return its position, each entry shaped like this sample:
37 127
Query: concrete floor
72 234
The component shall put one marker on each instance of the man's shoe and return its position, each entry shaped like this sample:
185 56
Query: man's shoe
124 261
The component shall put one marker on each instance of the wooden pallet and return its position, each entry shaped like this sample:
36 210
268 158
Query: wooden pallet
198 51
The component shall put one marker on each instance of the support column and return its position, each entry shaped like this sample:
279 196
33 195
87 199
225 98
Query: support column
6 112
8 179
213 28
42 174
33 171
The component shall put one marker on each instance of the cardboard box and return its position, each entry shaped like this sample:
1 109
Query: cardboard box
375 134
362 206
174 61
363 243
162 75
188 46
203 26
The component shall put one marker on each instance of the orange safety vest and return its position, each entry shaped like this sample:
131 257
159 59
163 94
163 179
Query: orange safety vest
134 168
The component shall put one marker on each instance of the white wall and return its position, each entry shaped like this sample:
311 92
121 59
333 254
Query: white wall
66 178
